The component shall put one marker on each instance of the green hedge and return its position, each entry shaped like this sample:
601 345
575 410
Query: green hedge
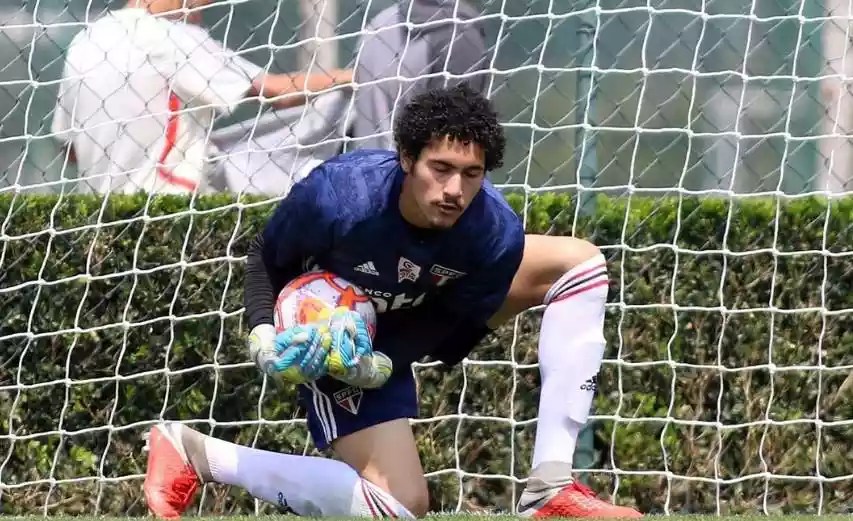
151 291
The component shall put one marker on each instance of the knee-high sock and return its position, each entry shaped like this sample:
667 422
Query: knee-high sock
309 486
571 347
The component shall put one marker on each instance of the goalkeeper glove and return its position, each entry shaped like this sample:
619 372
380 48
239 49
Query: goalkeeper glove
297 355
262 345
352 359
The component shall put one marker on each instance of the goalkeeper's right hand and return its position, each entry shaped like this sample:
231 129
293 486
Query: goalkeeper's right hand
262 345
297 355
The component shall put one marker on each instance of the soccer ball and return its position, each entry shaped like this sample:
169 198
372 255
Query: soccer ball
312 297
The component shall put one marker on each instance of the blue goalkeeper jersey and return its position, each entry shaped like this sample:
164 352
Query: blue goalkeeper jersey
344 217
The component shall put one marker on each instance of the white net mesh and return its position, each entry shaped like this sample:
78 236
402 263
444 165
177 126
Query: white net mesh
726 385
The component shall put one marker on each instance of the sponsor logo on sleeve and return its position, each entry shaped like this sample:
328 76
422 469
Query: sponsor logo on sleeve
441 275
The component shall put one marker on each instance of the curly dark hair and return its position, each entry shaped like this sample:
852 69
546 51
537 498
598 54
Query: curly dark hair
457 112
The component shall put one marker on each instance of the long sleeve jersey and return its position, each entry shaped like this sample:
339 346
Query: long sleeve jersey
431 288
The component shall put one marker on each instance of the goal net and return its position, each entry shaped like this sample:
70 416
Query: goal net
695 141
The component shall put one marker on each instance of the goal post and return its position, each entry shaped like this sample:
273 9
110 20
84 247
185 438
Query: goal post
684 137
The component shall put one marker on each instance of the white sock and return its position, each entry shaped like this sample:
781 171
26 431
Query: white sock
310 486
571 347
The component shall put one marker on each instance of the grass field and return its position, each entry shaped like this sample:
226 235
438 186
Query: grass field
455 517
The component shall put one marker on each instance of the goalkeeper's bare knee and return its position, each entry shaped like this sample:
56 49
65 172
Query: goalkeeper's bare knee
546 259
386 455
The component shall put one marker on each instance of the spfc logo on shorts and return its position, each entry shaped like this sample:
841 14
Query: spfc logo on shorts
440 274
407 270
348 398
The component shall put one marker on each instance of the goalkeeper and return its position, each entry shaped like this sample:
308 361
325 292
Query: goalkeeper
446 261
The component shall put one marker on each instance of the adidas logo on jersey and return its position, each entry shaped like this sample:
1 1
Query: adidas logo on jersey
367 267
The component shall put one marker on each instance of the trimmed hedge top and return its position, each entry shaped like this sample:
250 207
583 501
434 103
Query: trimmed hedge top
730 331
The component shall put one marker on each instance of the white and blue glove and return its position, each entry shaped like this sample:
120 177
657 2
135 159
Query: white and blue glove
352 359
300 354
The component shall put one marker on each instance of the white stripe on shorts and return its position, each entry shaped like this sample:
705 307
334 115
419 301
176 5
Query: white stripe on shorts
325 413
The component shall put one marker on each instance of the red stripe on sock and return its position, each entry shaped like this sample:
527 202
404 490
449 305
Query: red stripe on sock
382 505
579 290
369 499
388 510
584 272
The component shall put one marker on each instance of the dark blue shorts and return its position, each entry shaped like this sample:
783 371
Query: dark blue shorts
335 409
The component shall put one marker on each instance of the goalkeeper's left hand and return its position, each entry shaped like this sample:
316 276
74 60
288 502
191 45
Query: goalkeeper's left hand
352 359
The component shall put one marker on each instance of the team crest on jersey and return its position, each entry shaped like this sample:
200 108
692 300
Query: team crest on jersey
348 398
407 270
440 274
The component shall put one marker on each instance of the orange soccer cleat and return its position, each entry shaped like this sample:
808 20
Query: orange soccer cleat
572 500
170 480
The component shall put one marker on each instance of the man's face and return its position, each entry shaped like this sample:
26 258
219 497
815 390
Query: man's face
194 15
175 6
441 183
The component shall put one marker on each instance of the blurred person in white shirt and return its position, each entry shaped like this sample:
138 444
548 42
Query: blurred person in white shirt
141 88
